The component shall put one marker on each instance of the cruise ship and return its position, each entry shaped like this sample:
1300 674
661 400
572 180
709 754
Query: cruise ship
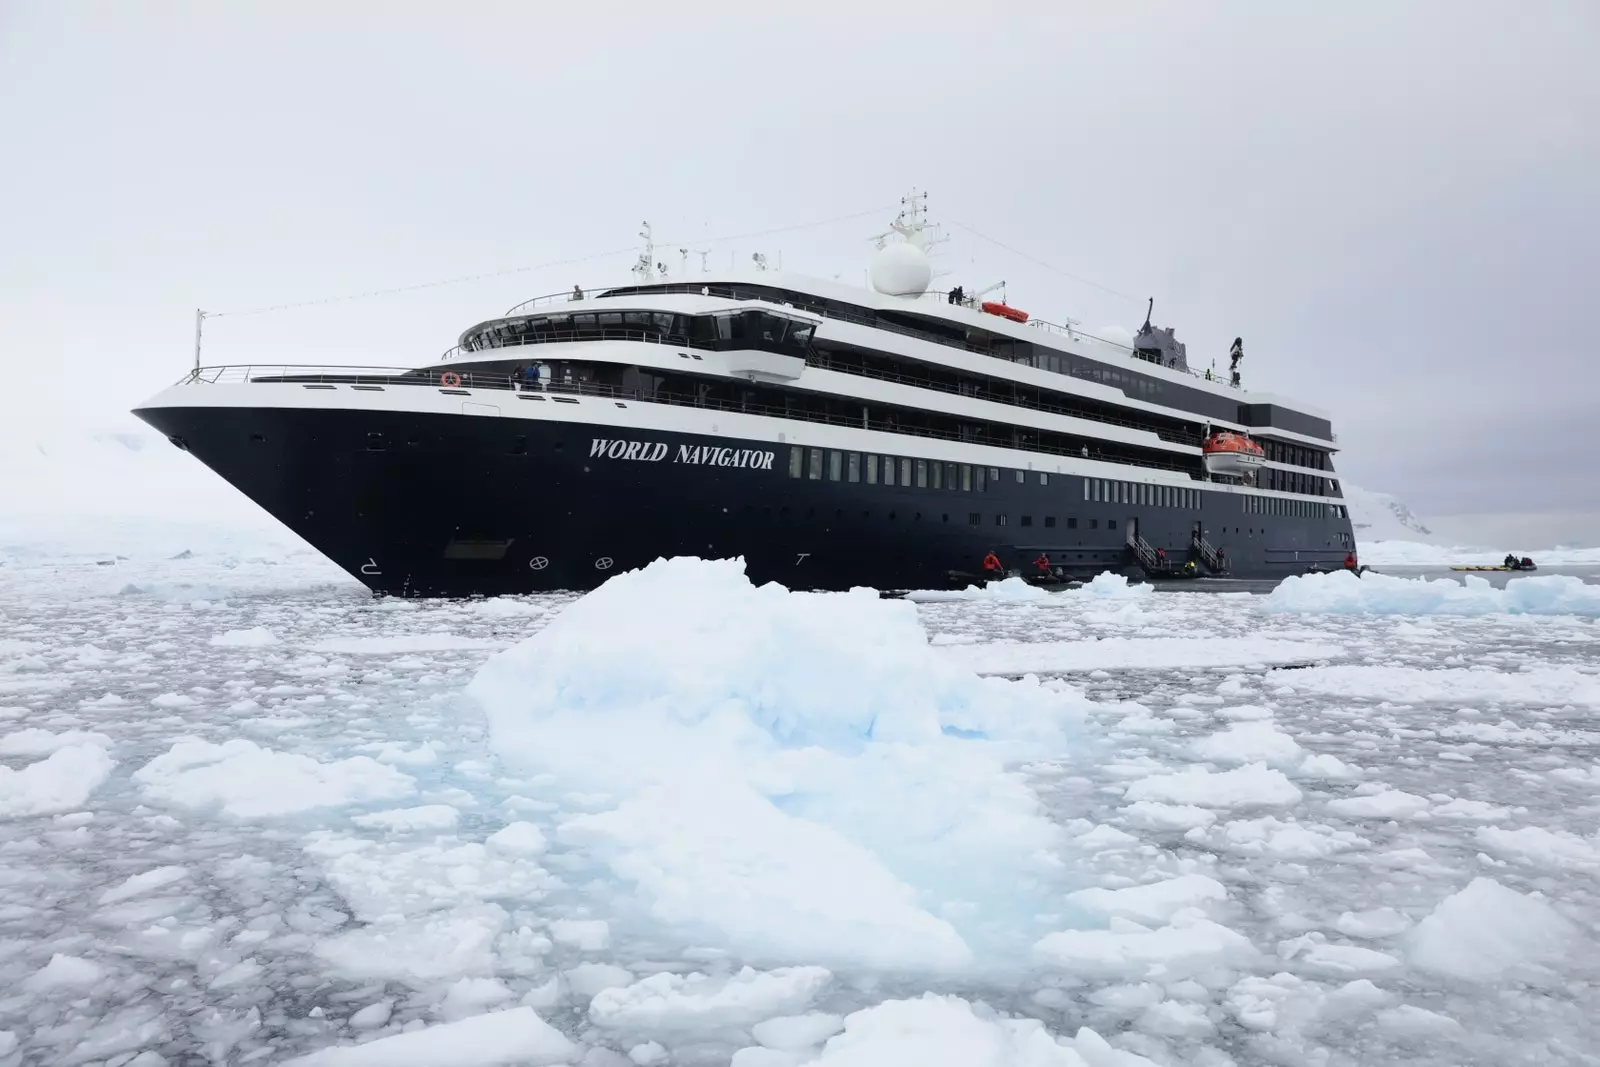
889 435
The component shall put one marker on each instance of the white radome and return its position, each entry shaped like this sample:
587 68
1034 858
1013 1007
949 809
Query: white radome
901 269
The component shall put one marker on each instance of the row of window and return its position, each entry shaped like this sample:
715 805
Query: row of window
927 328
1295 482
1297 455
1277 505
836 466
723 330
1155 496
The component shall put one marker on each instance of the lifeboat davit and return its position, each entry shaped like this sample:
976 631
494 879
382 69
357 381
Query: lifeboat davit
1005 311
1232 453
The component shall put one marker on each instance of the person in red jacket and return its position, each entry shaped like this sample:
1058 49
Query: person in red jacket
991 563
1349 561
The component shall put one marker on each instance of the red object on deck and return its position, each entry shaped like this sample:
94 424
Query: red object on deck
1004 311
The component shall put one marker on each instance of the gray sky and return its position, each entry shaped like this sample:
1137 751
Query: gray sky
1393 204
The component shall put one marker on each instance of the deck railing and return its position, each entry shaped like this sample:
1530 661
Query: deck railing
379 378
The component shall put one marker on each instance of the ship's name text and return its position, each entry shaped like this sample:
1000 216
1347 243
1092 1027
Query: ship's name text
706 455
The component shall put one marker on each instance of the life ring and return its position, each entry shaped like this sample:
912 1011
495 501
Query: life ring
450 379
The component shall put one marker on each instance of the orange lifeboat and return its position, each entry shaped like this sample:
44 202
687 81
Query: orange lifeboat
1004 311
1227 452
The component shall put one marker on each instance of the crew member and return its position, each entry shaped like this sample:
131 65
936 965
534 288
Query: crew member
577 293
991 563
1511 561
1235 354
956 295
1043 563
1349 561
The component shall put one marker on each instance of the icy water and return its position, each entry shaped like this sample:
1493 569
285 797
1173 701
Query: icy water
248 813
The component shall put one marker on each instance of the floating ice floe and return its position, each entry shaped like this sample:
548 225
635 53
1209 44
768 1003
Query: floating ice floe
1342 592
60 782
794 776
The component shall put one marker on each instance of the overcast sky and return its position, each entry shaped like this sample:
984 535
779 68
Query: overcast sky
1394 204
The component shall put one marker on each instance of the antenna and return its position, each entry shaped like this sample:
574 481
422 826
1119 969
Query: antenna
683 256
648 256
199 320
759 260
1147 312
703 253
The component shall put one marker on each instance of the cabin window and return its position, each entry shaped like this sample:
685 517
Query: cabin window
994 474
1072 522
1027 520
951 476
905 472
937 474
853 467
888 470
1111 524
999 520
1094 524
797 461
1044 479
974 518
922 473
1020 477
835 466
872 470
977 476
966 477
1086 489
814 465
1049 521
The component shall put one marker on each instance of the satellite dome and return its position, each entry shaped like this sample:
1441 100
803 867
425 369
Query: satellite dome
901 269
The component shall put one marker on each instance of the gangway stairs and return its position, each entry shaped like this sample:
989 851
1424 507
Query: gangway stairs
1208 554
1144 555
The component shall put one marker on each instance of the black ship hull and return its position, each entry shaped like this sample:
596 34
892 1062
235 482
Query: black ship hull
433 504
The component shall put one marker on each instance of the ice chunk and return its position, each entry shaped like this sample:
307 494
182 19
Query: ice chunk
588 935
517 839
1253 785
795 1033
500 1039
474 996
648 1054
36 742
60 782
1129 950
1156 902
1249 742
587 979
1373 923
66 972
445 945
1173 1018
787 774
1543 848
1372 594
373 1016
1322 765
137 884
1388 804
256 637
945 1031
404 820
1154 816
666 1001
1486 930
248 781
1012 589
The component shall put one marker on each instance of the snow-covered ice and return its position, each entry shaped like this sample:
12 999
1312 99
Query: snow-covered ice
248 814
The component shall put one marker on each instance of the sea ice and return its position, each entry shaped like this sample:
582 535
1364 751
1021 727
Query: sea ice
62 781
1344 592
1253 785
249 782
1486 930
516 1037
666 1001
1155 902
793 774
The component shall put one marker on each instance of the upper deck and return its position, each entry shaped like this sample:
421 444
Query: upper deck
930 317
